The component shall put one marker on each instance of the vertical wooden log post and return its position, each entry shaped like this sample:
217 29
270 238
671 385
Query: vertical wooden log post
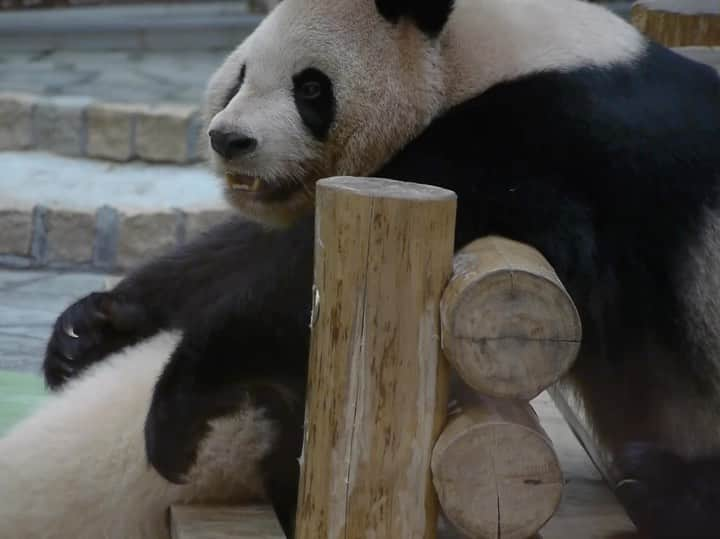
377 380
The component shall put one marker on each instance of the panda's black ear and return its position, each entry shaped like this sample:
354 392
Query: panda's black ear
429 15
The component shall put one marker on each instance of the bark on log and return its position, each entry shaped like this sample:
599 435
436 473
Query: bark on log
679 23
377 379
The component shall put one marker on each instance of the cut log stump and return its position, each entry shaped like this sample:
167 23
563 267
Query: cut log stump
679 23
495 470
508 326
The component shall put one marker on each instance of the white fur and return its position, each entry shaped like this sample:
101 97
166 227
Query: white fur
77 469
490 41
390 80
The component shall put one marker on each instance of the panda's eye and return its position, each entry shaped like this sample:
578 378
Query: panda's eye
315 100
236 87
310 90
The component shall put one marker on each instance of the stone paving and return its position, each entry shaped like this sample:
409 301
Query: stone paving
111 76
66 212
30 301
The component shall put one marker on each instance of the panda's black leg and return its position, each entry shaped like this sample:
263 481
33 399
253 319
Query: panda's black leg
219 365
281 471
668 497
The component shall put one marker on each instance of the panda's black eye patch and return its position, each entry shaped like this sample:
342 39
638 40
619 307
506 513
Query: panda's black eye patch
236 87
315 101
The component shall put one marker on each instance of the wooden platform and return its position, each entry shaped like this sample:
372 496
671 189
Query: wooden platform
588 510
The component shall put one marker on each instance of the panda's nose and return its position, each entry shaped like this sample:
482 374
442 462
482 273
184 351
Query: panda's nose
231 144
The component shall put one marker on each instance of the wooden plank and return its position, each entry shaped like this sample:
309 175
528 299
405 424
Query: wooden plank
588 510
572 412
677 23
222 522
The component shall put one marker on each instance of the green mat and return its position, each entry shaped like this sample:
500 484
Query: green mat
20 394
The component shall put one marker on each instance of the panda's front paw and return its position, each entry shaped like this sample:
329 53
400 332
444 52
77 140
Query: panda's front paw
88 331
668 497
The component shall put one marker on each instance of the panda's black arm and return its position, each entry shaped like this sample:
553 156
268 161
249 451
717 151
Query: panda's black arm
237 260
236 358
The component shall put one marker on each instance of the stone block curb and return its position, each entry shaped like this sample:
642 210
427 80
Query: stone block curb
106 240
81 127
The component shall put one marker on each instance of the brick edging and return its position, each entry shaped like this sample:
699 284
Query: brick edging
106 240
83 127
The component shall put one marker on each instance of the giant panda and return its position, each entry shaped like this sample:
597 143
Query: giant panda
555 122
76 468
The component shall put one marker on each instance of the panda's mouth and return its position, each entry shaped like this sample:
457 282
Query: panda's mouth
243 185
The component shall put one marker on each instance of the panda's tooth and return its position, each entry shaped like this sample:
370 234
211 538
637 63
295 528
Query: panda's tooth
256 185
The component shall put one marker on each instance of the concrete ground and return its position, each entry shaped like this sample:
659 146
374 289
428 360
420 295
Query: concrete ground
30 301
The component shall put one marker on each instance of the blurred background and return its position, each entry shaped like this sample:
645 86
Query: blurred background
101 151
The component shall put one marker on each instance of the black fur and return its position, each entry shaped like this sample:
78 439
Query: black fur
429 15
669 497
317 111
605 171
236 87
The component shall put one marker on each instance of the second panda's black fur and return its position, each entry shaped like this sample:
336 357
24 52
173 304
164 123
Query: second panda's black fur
607 171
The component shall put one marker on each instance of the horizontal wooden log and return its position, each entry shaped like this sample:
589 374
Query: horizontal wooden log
495 470
508 326
241 522
377 388
679 23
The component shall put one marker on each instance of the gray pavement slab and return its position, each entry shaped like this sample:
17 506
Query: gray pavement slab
145 26
111 76
30 302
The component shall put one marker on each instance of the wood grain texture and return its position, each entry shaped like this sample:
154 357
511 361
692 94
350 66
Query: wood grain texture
220 522
589 509
377 380
679 23
571 410
495 470
508 326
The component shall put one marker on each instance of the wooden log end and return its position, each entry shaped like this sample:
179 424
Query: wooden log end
509 327
496 474
384 188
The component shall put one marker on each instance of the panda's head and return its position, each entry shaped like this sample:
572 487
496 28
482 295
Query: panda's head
322 88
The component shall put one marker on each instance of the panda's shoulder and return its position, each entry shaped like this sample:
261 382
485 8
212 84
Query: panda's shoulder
654 93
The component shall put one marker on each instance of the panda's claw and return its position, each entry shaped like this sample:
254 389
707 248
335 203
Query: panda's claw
88 331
